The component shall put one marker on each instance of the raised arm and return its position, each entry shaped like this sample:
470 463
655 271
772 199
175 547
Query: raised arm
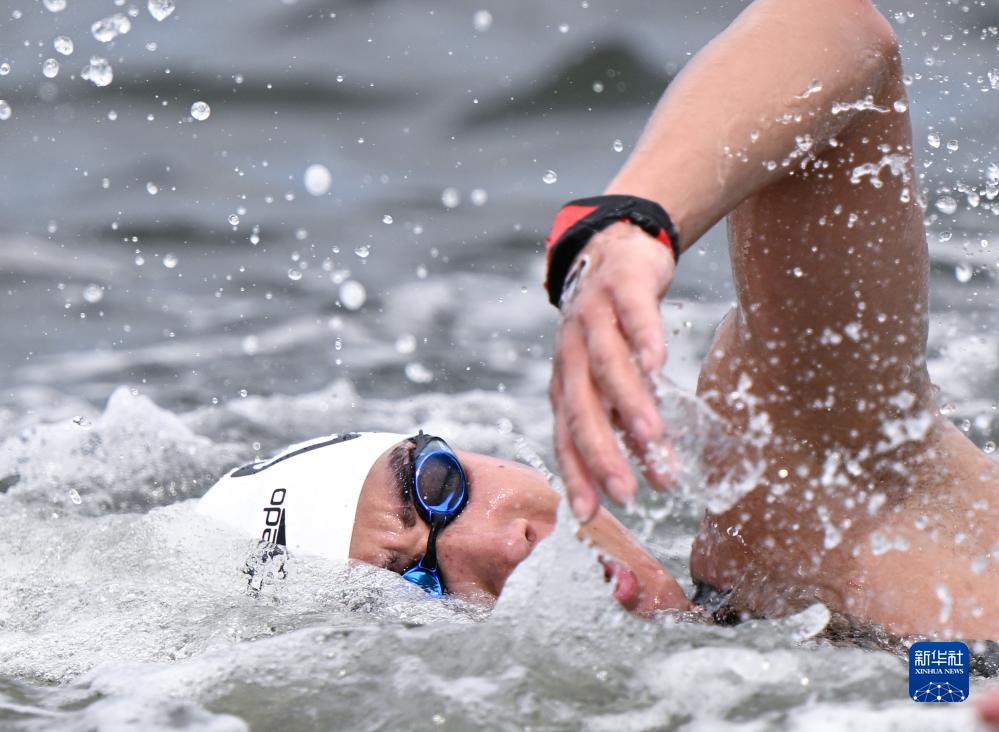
756 107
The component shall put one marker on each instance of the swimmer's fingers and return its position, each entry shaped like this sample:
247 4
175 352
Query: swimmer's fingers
656 461
644 592
620 381
583 496
582 418
637 310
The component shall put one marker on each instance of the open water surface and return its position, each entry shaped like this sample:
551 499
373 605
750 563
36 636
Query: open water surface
174 301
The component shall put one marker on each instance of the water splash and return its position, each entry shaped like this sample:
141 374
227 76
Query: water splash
201 111
861 105
98 72
813 88
161 9
482 21
107 29
897 164
63 45
318 179
352 295
451 197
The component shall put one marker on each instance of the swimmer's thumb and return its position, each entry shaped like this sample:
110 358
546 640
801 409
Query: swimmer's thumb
627 590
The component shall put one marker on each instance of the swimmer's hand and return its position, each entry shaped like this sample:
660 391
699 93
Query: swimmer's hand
644 593
609 341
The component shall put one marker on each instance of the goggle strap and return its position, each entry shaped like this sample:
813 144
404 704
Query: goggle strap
429 560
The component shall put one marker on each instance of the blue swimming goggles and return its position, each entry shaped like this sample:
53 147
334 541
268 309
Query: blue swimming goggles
440 492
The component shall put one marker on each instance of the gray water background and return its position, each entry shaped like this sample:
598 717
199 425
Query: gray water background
119 609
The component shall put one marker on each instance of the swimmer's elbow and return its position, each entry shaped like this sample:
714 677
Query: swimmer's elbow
874 28
876 40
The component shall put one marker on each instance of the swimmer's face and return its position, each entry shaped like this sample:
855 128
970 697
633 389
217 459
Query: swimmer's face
510 509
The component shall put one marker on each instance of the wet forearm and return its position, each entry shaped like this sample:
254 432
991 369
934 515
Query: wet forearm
737 117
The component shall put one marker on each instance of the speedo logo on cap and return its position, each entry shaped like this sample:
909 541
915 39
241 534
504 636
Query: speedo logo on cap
274 531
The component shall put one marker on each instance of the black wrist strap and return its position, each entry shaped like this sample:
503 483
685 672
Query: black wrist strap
577 222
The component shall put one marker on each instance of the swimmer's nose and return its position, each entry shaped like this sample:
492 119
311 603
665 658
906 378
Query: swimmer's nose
489 557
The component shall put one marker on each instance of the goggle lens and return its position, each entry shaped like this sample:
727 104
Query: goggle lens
440 481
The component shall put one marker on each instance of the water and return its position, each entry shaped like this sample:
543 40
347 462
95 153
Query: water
120 608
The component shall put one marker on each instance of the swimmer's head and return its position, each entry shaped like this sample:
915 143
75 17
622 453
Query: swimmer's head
352 496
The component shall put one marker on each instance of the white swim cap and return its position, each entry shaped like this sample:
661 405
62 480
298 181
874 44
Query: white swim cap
304 498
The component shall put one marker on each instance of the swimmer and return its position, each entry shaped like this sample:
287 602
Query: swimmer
794 124
450 522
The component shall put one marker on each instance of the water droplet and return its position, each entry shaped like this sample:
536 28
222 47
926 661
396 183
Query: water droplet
362 251
405 343
797 272
946 205
5 110
933 139
50 68
233 220
617 145
4 68
251 344
550 177
387 219
63 45
482 21
318 179
112 115
93 293
74 496
243 393
945 236
451 197
55 6
294 274
989 447
813 88
478 197
418 373
160 9
339 78
81 421
152 189
352 295
98 72
900 106
170 260
598 87
201 111
563 28
107 29
964 272
953 145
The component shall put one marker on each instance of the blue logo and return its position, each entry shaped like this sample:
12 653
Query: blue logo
938 672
